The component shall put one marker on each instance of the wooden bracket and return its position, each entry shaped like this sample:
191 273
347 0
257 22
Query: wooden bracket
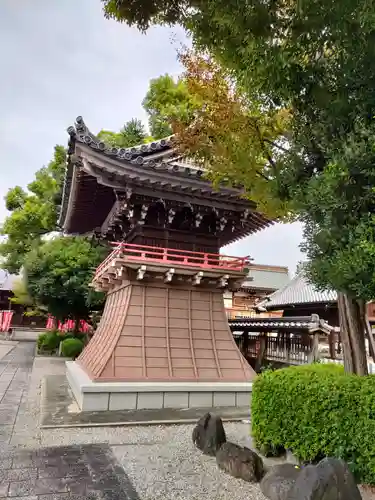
169 275
197 278
223 281
141 273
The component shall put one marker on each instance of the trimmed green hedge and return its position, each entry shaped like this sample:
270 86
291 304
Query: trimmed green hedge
315 411
71 348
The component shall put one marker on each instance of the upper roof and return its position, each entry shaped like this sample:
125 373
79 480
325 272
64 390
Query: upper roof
298 291
7 280
262 277
95 170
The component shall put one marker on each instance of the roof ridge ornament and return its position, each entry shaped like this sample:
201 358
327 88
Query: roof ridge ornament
135 154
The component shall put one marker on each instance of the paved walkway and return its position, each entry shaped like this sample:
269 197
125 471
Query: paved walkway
156 462
49 473
15 369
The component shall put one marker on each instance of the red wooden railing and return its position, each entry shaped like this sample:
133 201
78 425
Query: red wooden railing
173 256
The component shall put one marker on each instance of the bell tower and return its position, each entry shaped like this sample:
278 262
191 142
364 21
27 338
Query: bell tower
164 339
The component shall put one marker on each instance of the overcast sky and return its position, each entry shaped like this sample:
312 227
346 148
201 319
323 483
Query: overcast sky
61 59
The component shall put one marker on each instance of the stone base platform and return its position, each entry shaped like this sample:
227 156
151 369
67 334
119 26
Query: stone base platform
114 396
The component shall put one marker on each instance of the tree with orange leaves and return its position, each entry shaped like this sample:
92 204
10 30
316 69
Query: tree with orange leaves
238 141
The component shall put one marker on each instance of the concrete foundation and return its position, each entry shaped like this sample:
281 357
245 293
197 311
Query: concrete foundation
103 396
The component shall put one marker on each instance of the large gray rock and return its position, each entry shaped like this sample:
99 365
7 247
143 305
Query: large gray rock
331 479
240 462
209 434
278 481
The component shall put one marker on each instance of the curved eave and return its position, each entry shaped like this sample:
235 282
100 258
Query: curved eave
277 307
66 195
155 166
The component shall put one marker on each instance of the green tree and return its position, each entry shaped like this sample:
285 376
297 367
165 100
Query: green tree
131 134
143 13
58 274
22 297
314 58
33 213
15 199
167 100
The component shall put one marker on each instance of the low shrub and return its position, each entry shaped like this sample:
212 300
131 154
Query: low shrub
40 341
71 348
49 341
315 411
52 341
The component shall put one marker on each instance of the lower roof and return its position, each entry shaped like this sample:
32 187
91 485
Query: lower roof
297 291
262 277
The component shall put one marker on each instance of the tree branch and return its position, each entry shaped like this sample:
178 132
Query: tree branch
265 150
276 145
262 175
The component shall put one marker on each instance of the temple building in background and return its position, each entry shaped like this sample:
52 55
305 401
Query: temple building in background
6 285
19 318
301 298
261 281
298 297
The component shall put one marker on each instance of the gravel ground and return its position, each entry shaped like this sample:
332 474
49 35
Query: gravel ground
170 467
161 461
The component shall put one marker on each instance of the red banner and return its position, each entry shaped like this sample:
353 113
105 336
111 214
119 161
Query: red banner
5 320
69 325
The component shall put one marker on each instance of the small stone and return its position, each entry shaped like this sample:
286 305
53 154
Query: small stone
240 462
278 481
331 479
209 434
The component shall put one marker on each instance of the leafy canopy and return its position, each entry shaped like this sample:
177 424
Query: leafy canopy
58 274
22 297
142 13
131 134
166 101
33 213
315 59
237 140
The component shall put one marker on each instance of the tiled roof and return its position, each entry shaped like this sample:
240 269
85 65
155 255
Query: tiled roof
266 278
157 167
7 280
297 291
159 155
310 323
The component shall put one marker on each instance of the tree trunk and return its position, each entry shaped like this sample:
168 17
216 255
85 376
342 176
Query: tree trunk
76 327
332 344
368 330
261 352
352 330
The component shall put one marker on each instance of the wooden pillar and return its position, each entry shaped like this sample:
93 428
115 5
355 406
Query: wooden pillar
314 353
261 352
368 334
332 344
287 347
245 343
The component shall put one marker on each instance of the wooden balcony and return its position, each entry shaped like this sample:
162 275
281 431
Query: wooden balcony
146 260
